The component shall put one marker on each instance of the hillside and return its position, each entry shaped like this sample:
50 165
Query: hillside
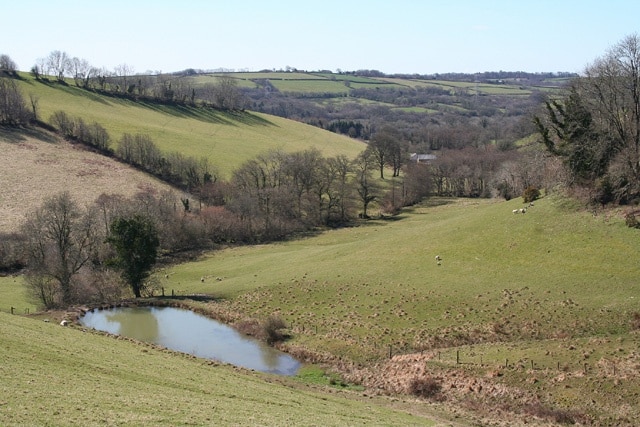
51 375
528 317
227 139
37 164
539 307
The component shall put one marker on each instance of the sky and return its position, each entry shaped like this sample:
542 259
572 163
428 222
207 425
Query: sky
392 36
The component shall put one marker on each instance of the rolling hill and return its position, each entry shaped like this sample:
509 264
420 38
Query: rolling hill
530 318
227 139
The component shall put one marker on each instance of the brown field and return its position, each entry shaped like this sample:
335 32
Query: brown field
37 164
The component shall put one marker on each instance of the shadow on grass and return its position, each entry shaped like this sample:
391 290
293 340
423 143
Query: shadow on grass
204 114
208 115
17 135
431 202
75 91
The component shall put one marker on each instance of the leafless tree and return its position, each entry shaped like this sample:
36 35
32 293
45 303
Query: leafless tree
58 63
7 64
60 242
595 127
34 100
365 185
123 75
13 108
224 94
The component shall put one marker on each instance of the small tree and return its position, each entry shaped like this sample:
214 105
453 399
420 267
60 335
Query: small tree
135 241
365 186
60 241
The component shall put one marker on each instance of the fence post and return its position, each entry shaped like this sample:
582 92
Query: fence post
457 357
390 351
12 308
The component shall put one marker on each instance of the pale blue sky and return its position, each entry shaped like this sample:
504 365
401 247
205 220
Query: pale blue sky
398 36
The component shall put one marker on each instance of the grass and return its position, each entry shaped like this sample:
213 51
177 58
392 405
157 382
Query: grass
227 139
13 294
491 257
541 302
556 285
52 375
37 164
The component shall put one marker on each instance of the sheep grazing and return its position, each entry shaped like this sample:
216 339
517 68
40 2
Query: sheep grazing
202 279
438 258
515 211
65 322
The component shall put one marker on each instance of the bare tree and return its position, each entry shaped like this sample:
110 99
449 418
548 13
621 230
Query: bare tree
124 75
59 63
7 64
60 242
595 128
34 99
13 108
365 185
224 94
81 71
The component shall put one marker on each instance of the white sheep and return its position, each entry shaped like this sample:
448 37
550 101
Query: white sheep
515 211
65 322
438 258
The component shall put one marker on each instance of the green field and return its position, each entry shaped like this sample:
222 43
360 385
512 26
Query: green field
227 138
56 376
548 256
556 288
545 298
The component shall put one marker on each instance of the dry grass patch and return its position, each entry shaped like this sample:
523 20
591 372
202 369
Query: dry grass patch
32 168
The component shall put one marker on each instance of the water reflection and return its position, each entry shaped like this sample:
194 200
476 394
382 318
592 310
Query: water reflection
192 333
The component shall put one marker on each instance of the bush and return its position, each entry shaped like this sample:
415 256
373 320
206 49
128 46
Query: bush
631 220
530 194
427 388
273 327
635 321
559 416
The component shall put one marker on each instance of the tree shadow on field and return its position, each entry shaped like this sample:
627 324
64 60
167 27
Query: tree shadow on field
75 91
431 202
18 135
208 115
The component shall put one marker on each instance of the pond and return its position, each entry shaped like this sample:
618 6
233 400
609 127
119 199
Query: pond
189 332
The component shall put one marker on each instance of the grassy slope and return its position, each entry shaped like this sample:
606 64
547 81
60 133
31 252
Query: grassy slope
549 255
51 375
13 294
559 284
555 287
36 164
227 139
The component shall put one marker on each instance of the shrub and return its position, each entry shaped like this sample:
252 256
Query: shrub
427 387
65 124
530 194
631 220
635 321
273 327
559 416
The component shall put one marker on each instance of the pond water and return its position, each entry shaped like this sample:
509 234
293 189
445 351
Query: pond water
192 333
